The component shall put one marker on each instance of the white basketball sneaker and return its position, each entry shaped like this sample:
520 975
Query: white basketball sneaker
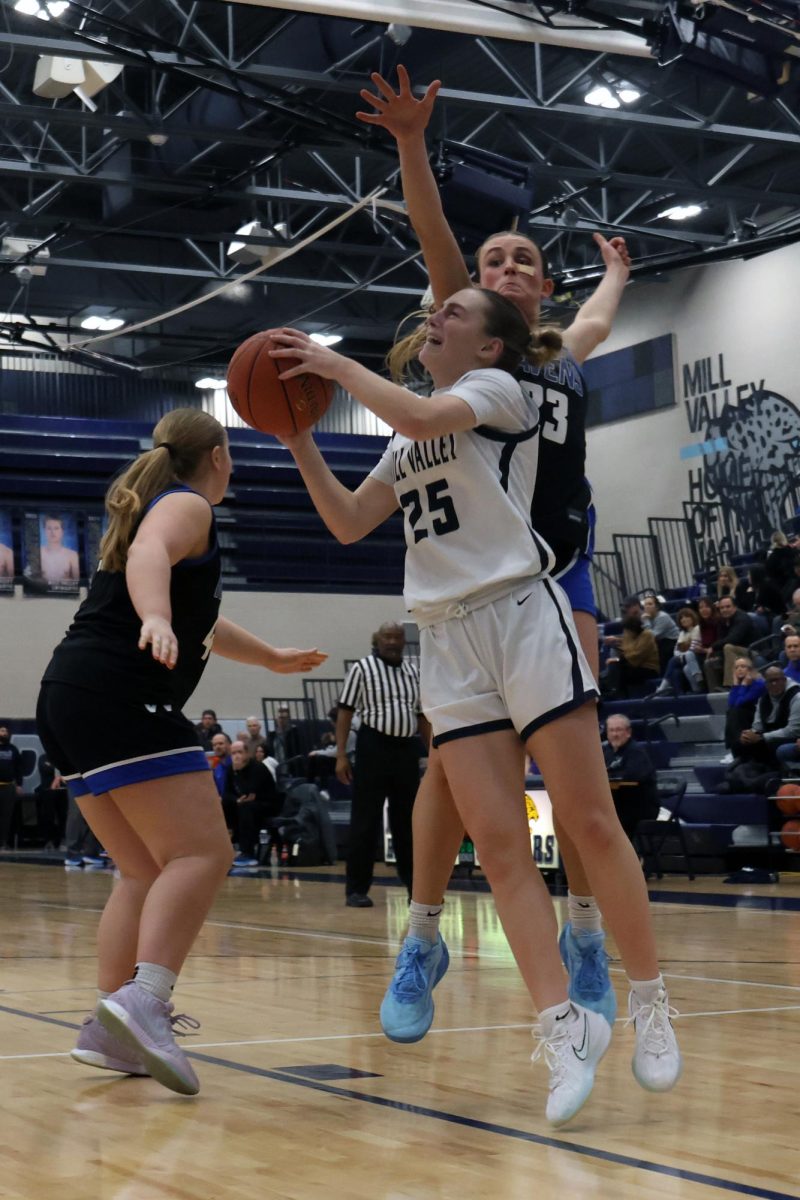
657 1062
572 1047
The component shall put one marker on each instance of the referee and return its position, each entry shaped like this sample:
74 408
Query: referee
385 691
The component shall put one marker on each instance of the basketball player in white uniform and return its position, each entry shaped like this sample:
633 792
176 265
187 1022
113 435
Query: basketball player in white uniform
502 670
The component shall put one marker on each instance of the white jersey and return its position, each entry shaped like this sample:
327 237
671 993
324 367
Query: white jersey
466 496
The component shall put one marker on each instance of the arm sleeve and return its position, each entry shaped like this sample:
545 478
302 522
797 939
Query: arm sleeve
18 766
383 470
638 767
353 685
496 399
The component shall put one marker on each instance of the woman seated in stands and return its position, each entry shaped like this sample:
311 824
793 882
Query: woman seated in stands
684 672
708 622
662 627
748 688
727 582
637 662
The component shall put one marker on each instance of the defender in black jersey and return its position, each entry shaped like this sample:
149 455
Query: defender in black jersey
109 716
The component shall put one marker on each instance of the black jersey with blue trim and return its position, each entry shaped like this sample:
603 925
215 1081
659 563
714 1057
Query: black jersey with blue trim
562 495
100 649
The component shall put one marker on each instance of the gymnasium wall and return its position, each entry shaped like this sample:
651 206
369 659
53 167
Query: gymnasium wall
341 625
728 453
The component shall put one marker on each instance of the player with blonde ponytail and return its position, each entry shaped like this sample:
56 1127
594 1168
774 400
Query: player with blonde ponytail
109 716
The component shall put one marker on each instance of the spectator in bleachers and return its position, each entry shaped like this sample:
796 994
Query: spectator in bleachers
257 801
662 627
772 738
51 802
221 762
793 585
631 607
791 618
736 632
207 727
251 735
748 688
708 620
727 582
631 774
791 650
285 745
780 560
758 596
10 784
637 660
684 672
6 561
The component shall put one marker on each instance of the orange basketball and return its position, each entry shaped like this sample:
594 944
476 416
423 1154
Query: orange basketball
790 835
272 405
787 798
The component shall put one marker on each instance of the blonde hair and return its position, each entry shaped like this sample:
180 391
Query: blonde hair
779 539
734 581
544 344
181 440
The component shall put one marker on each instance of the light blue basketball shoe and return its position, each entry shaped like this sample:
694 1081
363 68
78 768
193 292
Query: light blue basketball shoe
584 955
407 1008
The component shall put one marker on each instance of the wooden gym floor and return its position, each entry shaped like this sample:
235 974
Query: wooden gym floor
303 1099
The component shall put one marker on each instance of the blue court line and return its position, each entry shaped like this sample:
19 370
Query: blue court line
507 1131
716 900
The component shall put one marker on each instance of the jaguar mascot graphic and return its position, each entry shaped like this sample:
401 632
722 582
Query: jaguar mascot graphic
760 465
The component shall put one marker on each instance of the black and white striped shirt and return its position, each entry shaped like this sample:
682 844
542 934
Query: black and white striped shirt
387 697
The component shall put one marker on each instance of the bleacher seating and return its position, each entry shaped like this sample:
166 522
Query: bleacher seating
270 534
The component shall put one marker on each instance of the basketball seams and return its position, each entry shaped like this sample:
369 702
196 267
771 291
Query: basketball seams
248 368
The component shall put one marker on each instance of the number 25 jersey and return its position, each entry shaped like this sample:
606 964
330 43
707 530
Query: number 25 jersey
466 497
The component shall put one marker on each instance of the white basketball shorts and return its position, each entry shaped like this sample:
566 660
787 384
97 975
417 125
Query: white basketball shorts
515 663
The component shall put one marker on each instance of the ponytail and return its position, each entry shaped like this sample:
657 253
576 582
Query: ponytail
181 440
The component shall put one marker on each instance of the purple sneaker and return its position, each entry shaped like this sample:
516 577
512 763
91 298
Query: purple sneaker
96 1047
145 1024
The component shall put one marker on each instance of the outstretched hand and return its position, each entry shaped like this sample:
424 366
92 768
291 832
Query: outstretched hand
293 343
614 251
398 112
288 661
157 633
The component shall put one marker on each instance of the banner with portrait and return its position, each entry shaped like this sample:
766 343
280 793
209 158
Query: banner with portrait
95 526
8 567
50 560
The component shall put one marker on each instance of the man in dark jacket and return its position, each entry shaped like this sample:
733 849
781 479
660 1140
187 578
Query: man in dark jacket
631 774
736 632
257 801
772 738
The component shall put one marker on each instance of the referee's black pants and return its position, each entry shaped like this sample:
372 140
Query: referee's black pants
385 768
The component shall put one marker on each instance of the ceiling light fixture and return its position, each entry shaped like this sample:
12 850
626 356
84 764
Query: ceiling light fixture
326 339
106 324
602 97
681 212
209 384
628 95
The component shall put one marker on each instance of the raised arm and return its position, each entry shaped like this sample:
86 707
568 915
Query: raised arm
416 417
406 120
592 325
349 516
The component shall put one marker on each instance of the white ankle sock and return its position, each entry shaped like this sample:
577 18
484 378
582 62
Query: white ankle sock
584 914
558 1012
646 990
158 980
423 920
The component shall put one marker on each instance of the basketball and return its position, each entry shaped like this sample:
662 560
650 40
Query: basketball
790 835
278 406
787 798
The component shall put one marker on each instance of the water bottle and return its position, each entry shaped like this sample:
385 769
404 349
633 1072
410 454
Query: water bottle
263 837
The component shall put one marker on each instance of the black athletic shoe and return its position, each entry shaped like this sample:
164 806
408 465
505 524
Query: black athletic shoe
356 900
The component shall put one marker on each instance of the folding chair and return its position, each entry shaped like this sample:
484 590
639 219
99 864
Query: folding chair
650 836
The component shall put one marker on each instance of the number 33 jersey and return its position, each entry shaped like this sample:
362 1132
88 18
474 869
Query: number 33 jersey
466 497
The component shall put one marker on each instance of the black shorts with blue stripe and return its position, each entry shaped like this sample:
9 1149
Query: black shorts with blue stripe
100 743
